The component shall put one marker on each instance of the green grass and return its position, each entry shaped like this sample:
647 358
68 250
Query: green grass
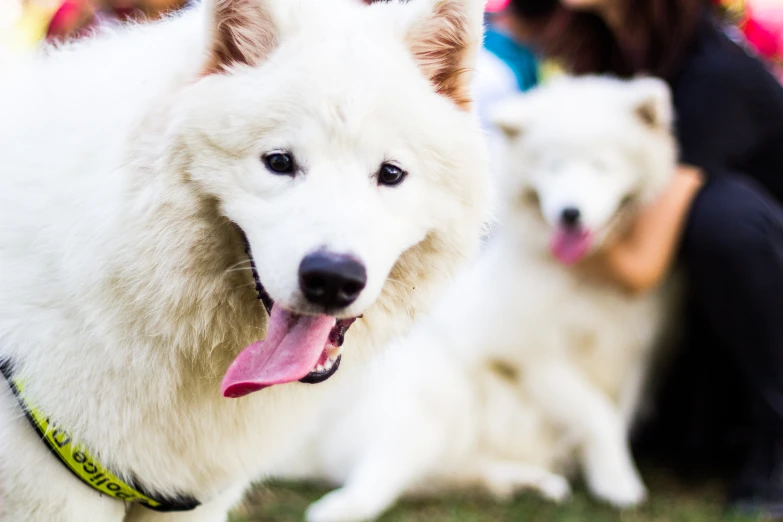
670 502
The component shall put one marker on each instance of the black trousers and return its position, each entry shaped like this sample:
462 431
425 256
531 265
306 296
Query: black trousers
724 388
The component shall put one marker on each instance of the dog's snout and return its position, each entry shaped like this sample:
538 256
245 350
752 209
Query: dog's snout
570 217
331 280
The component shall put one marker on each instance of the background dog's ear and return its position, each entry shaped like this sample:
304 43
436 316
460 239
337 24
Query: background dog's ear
652 102
242 33
445 37
510 116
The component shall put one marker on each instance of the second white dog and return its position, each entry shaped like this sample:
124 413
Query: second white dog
528 366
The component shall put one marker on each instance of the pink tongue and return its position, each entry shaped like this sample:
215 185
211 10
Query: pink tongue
292 347
569 246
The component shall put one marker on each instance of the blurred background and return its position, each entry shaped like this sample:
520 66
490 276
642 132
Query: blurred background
506 67
25 23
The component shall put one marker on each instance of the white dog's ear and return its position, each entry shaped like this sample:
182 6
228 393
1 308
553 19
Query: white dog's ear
510 116
445 37
242 33
652 102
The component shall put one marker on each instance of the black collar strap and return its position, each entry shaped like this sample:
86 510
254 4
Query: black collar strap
81 463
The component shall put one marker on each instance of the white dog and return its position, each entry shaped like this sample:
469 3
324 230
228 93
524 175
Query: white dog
528 366
140 169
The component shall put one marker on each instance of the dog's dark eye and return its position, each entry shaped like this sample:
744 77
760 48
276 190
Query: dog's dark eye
280 163
390 175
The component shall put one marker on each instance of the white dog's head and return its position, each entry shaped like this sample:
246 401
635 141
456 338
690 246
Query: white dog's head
339 138
581 152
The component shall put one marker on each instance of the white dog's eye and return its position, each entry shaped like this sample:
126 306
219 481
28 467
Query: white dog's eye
390 175
280 163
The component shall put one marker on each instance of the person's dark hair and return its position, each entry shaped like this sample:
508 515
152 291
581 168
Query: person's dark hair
655 35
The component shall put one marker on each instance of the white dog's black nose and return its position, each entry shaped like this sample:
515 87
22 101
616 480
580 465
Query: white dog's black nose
570 217
331 280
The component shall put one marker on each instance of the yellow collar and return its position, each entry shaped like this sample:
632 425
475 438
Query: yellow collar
80 461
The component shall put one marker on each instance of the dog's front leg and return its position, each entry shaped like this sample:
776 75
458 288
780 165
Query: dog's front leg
504 478
408 451
631 395
570 400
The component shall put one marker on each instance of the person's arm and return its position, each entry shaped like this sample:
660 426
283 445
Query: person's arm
640 259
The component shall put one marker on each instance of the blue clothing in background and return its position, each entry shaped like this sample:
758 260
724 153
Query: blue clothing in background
517 58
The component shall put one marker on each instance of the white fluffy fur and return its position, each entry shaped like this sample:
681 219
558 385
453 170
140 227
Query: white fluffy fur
527 367
124 289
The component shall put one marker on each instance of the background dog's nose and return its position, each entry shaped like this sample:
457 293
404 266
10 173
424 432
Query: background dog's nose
570 217
331 280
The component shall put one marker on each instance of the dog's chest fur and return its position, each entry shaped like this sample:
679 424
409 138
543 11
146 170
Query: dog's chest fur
606 332
134 370
610 333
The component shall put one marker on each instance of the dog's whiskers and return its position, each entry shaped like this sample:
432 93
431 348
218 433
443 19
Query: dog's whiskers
245 285
245 262
234 270
396 281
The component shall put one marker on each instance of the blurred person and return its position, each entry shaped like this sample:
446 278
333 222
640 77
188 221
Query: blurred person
505 66
721 217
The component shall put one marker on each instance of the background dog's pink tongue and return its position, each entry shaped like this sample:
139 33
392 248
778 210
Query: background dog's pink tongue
569 246
290 351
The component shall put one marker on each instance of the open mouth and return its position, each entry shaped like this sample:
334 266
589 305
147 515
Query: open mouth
297 347
571 244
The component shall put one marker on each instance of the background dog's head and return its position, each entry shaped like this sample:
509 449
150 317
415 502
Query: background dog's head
582 154
338 137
